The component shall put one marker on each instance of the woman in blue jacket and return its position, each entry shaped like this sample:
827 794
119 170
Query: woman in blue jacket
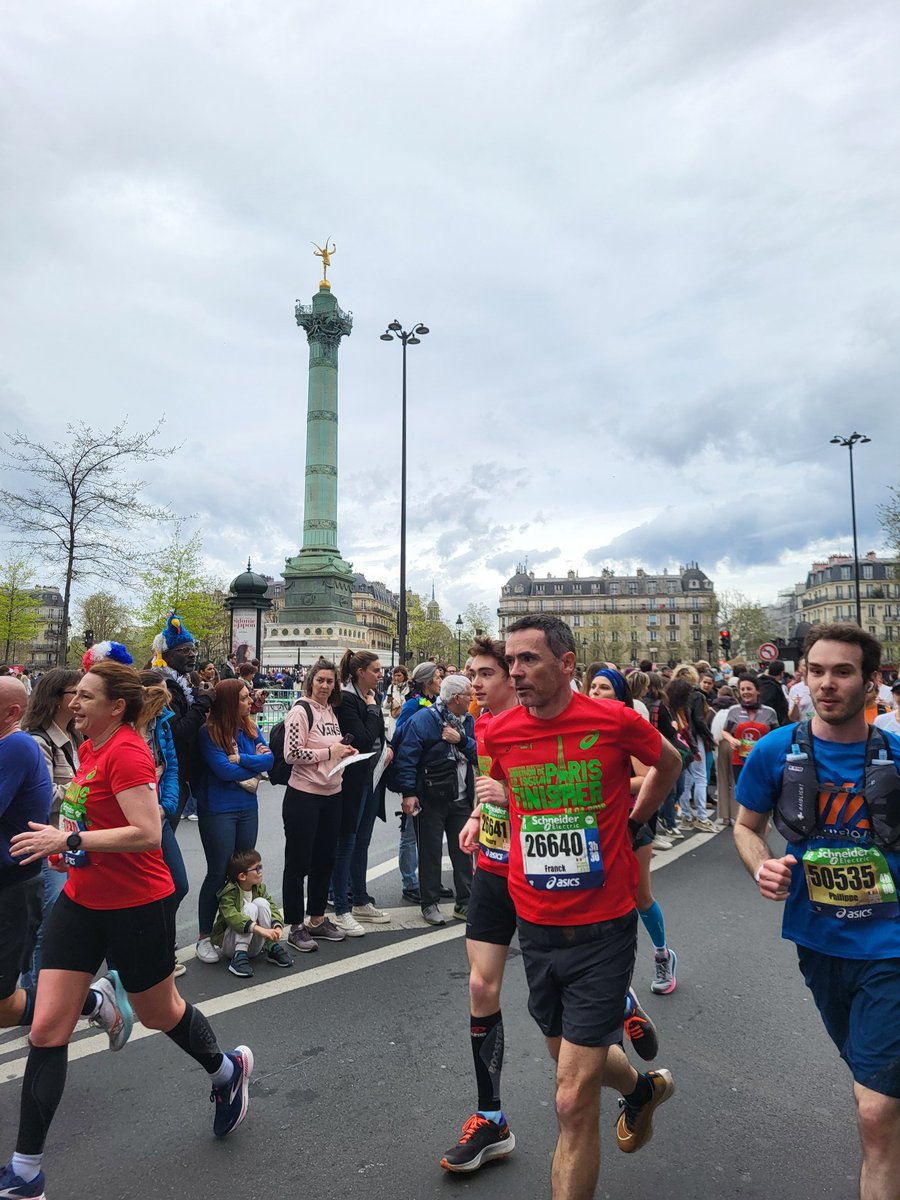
156 732
235 757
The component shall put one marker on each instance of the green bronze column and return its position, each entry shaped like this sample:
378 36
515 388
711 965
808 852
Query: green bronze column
317 616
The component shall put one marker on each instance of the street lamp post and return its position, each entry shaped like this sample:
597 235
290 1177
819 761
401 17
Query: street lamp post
459 629
411 339
850 442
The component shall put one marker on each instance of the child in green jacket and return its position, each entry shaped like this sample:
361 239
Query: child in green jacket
248 917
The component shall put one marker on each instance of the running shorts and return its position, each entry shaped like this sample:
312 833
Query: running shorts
492 917
578 977
20 919
859 1002
139 942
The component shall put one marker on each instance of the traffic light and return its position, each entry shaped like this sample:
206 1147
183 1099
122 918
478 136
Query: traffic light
88 638
725 643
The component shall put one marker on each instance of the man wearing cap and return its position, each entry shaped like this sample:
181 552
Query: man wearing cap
175 656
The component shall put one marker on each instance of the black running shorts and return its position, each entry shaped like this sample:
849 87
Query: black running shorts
20 919
139 942
492 917
578 978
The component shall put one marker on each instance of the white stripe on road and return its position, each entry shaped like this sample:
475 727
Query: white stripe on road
99 1043
85 1044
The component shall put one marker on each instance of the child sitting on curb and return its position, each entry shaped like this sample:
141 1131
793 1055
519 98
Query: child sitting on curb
248 917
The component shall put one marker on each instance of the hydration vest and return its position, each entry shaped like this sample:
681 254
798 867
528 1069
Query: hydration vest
796 815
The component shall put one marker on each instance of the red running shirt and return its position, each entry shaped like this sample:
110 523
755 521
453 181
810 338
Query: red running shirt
493 846
122 879
569 780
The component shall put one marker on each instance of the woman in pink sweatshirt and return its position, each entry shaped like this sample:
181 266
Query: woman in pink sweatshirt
312 806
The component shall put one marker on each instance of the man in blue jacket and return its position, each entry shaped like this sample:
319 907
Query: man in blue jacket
435 775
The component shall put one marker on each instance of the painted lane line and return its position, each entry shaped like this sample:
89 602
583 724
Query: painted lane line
86 1047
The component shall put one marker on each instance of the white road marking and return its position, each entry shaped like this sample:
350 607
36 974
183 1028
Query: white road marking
86 1043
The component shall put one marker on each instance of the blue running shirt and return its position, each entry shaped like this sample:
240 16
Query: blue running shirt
840 769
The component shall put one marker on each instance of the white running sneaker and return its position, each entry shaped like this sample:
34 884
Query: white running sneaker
114 1015
206 951
661 843
349 924
371 914
705 826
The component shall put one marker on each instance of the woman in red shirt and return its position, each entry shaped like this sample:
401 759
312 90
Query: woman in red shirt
116 903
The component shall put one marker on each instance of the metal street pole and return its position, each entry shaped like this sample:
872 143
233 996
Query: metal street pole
413 339
850 442
459 629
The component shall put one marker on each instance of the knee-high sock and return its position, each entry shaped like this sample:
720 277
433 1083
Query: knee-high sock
655 925
42 1089
487 1051
195 1036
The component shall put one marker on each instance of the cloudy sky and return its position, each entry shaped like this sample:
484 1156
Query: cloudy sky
656 245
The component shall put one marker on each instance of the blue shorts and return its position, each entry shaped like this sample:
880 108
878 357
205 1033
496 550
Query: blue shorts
859 1002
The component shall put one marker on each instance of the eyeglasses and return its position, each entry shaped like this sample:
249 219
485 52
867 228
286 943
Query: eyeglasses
257 870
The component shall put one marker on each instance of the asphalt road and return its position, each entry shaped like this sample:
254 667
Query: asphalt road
363 1067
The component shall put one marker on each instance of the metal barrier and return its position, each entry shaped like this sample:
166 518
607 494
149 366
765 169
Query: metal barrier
278 702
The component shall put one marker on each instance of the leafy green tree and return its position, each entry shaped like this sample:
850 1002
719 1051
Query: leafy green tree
889 516
747 623
85 503
105 616
178 580
20 610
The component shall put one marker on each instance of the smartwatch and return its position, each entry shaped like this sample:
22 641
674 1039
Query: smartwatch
73 841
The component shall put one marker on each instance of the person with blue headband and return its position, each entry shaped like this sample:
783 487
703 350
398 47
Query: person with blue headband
606 683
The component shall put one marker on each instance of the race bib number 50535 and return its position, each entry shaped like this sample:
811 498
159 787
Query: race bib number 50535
561 850
850 884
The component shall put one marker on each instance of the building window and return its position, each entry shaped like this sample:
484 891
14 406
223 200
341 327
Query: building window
695 634
558 587
871 610
872 630
673 618
694 583
673 635
614 636
695 601
839 612
577 620
845 572
634 635
652 620
695 618
653 635
867 571
633 588
614 589
839 592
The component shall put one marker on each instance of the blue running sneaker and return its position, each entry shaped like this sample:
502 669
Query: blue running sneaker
232 1098
14 1188
114 1014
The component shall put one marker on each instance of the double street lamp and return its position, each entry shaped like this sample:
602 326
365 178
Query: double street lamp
851 441
413 338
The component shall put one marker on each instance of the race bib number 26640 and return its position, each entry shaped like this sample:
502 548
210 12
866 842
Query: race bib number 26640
561 851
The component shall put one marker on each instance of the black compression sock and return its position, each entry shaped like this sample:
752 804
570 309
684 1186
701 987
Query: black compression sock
642 1093
195 1036
42 1089
487 1051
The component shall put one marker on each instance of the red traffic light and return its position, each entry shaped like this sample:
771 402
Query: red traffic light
724 633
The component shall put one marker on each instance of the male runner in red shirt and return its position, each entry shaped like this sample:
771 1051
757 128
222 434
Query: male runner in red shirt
566 761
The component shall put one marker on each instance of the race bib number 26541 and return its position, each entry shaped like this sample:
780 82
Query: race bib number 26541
561 851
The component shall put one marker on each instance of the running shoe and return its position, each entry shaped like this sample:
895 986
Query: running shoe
180 969
327 930
206 951
278 955
15 1188
461 912
480 1141
639 1029
411 896
240 965
114 1014
432 915
445 893
673 832
370 913
705 826
348 924
664 980
661 843
232 1098
634 1127
300 939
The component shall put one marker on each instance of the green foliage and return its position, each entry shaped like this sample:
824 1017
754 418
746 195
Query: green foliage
889 516
747 623
177 580
20 611
104 615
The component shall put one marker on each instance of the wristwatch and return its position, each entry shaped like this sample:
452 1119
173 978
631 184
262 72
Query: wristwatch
73 841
